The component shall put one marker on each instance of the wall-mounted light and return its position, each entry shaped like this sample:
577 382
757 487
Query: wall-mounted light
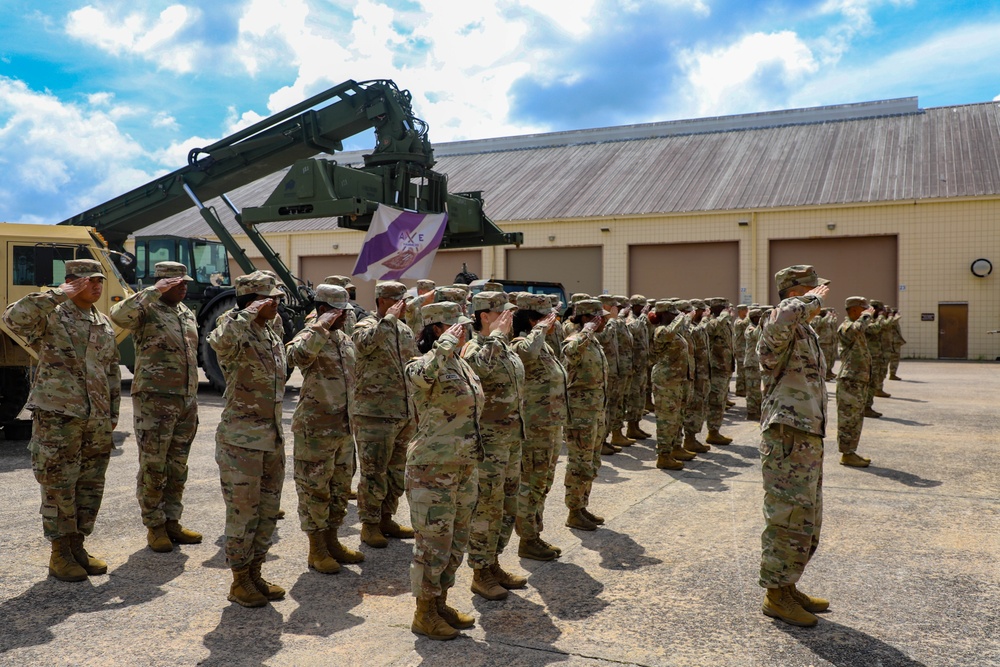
552 237
336 246
605 229
743 223
831 226
982 268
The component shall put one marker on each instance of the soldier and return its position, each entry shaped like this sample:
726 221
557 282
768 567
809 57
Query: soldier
74 401
791 447
853 380
568 326
164 399
828 339
587 400
502 427
639 327
751 362
554 337
249 443
323 448
739 345
611 340
350 316
873 337
382 413
413 305
441 467
545 415
672 377
888 343
721 366
897 345
694 413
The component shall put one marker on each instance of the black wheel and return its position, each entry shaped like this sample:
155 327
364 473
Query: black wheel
14 388
209 362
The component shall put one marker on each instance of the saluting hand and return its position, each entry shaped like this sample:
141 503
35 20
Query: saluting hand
396 309
74 287
164 285
548 321
504 323
255 307
329 318
458 331
591 326
821 291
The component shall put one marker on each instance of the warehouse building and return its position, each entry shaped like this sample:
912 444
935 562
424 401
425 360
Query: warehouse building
886 199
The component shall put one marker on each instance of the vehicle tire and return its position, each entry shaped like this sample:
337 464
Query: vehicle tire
206 355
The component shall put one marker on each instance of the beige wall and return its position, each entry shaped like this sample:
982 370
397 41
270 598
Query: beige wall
691 269
936 243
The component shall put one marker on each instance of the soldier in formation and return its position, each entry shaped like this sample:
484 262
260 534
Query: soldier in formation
720 362
635 403
672 378
751 361
853 380
740 325
694 412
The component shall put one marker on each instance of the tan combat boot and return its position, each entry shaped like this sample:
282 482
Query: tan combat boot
452 616
181 535
92 565
534 549
895 377
599 520
390 528
668 462
716 438
372 536
427 621
548 545
692 445
62 564
619 440
852 460
681 454
635 432
506 579
266 588
339 552
808 602
608 449
576 519
781 604
319 556
485 585
882 394
243 591
156 538
870 412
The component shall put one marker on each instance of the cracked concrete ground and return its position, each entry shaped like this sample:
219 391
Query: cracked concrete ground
910 558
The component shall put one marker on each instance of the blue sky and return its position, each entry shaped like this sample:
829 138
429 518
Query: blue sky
99 97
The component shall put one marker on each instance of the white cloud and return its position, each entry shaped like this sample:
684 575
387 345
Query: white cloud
154 39
743 75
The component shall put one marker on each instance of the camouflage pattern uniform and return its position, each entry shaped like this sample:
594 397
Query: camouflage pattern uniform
382 412
897 346
873 336
672 378
852 380
793 423
350 315
250 443
74 401
697 405
610 339
441 470
412 316
720 359
502 427
828 339
740 325
545 415
555 337
626 359
164 394
638 326
587 373
323 449
751 369
888 342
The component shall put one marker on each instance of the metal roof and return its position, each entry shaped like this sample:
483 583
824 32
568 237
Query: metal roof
848 154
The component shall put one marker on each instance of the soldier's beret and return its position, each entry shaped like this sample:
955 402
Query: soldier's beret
589 307
390 289
171 270
445 312
259 283
540 303
425 285
494 302
334 295
84 268
665 306
799 274
579 296
452 294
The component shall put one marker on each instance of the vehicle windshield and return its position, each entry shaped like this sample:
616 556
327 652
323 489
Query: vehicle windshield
210 262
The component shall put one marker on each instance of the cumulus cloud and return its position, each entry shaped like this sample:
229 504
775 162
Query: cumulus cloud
154 39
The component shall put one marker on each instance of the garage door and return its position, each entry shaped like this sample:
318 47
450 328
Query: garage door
685 270
446 265
855 265
578 269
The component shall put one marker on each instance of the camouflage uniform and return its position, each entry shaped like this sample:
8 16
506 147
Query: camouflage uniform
610 340
720 360
626 360
740 325
545 415
888 342
751 370
852 381
382 413
873 337
74 399
350 315
323 448
249 443
828 340
587 373
793 423
897 346
502 427
697 405
672 378
638 326
441 472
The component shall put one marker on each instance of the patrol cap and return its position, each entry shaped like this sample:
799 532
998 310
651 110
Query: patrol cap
589 307
717 302
855 302
622 300
171 270
452 294
579 296
665 306
682 305
697 304
390 289
637 300
878 305
445 312
494 302
462 286
555 300
491 286
84 268
608 300
756 310
342 281
799 274
425 284
334 295
539 303
258 283
742 306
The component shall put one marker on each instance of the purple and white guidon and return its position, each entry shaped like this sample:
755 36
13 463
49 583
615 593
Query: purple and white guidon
400 244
